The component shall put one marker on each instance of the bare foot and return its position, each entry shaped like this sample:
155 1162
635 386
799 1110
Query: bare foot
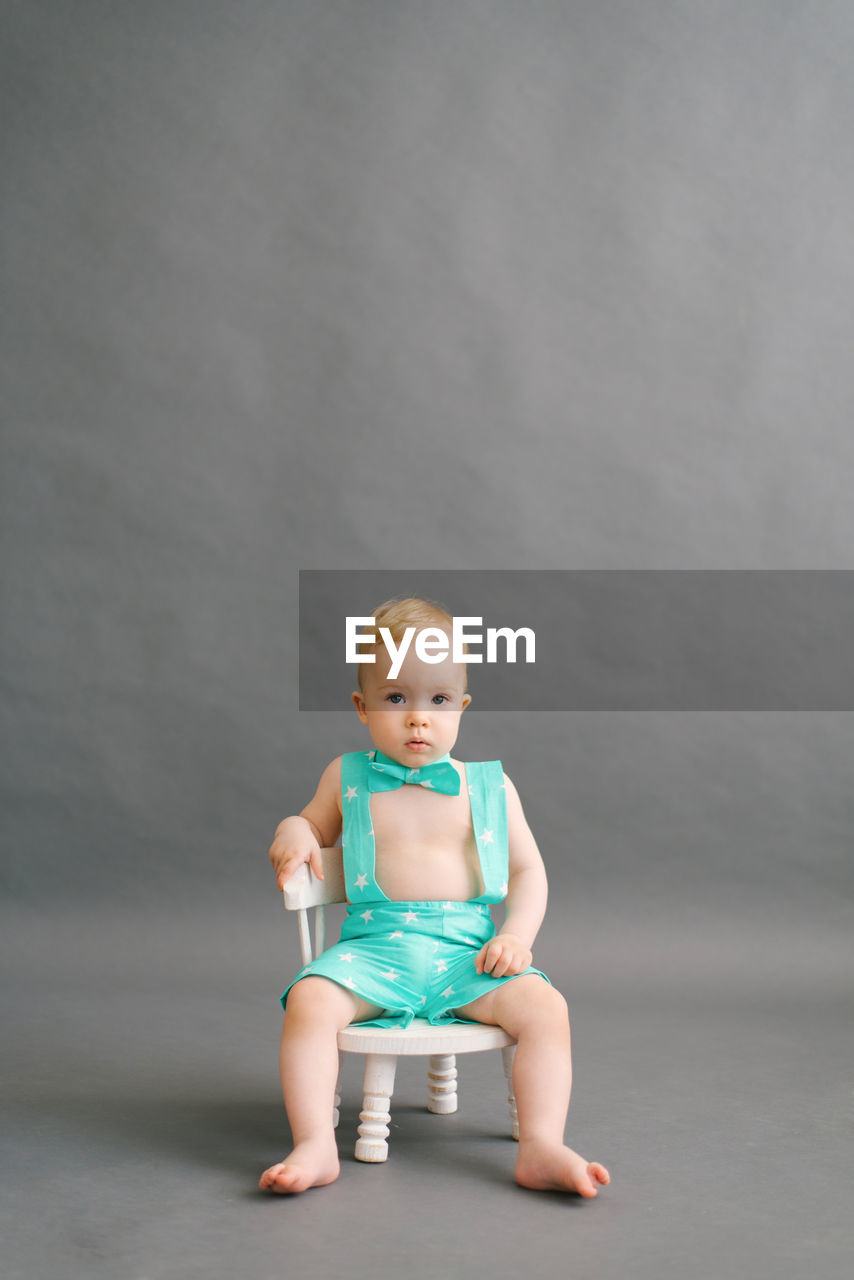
544 1166
310 1164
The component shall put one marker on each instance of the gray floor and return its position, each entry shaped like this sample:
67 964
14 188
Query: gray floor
142 1101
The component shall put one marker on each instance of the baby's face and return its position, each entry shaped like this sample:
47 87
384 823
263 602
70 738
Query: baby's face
415 717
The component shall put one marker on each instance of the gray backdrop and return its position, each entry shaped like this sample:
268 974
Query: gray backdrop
386 284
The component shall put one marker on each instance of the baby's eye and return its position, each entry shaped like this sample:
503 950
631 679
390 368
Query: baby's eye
395 698
439 698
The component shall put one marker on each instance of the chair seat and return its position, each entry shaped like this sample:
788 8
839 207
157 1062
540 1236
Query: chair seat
422 1037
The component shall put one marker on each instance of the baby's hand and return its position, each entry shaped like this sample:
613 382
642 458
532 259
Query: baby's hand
504 954
293 845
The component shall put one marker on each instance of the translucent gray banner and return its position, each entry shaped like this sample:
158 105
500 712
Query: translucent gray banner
611 640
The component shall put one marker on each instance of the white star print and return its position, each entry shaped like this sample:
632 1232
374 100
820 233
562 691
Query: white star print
446 905
349 957
503 889
348 982
361 881
440 966
391 975
423 1000
470 941
410 916
449 991
426 783
397 934
352 792
471 790
486 836
367 915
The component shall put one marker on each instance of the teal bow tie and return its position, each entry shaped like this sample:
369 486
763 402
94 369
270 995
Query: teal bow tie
387 775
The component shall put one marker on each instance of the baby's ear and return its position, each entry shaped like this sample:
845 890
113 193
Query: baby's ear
358 699
466 700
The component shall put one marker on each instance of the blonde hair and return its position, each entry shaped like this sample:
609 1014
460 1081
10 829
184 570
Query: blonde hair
407 611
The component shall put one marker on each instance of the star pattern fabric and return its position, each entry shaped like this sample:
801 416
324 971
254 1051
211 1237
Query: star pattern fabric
484 784
385 774
424 967
415 959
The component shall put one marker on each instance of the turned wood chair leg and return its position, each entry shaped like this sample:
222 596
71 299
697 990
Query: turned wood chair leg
507 1056
372 1144
442 1084
336 1112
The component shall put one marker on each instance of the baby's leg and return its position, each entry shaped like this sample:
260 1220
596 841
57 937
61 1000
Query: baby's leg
536 1016
316 1011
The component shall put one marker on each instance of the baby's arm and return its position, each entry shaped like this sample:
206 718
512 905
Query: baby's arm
300 838
527 891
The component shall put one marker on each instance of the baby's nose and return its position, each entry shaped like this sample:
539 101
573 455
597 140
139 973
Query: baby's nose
418 715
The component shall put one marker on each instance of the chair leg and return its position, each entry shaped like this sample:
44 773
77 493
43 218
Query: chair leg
372 1145
442 1084
507 1056
336 1113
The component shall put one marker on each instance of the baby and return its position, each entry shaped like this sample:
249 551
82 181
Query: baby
429 843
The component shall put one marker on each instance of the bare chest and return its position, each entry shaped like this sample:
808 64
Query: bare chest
425 845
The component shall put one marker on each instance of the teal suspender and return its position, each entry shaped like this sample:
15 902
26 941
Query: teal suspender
487 796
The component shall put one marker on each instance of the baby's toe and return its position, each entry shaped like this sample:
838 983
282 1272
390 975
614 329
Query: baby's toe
289 1179
599 1173
283 1178
268 1177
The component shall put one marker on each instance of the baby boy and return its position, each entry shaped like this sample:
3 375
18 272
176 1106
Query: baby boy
429 843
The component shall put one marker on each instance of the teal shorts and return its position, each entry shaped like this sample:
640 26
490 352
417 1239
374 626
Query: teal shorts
412 959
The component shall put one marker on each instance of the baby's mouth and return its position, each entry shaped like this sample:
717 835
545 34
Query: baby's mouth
417 743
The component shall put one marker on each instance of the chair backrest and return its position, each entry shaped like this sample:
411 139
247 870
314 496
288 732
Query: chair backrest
304 891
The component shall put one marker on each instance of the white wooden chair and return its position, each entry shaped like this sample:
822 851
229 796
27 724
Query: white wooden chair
382 1046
